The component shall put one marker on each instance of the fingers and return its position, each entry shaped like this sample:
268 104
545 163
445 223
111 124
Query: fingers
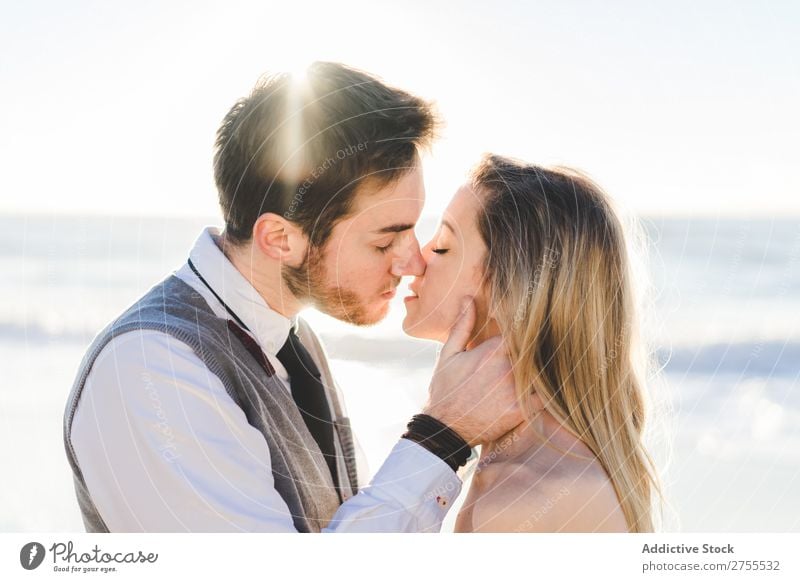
461 330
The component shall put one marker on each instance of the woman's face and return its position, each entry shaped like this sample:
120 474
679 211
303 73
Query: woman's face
455 269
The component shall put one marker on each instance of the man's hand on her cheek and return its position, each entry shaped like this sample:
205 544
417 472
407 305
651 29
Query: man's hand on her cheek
473 391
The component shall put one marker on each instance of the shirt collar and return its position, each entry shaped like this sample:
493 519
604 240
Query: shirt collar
270 328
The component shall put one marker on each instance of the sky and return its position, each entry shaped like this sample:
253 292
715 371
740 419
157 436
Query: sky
678 108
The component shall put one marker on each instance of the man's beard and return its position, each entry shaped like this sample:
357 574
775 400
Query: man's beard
307 284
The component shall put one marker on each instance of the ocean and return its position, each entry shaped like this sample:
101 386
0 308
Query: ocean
723 319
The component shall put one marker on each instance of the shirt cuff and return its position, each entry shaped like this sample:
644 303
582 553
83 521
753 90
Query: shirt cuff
420 480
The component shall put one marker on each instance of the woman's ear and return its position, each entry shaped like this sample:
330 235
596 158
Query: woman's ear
485 323
483 298
280 239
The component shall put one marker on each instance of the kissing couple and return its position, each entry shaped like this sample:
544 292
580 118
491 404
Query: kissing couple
209 404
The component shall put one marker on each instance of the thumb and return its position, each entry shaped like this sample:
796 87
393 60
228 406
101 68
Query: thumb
461 330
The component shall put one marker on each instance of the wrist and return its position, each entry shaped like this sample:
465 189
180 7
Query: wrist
439 439
441 415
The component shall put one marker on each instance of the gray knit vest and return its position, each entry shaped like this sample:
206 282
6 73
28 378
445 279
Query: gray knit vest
301 476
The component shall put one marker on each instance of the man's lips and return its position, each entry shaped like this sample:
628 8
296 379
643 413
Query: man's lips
392 291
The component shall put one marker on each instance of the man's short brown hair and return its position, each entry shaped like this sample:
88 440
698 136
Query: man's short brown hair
302 147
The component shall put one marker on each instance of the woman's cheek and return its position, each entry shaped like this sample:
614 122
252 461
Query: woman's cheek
431 315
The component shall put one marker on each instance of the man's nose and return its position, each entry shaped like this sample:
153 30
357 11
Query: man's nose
411 263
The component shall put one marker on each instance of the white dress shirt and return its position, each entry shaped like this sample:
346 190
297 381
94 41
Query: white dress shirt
163 447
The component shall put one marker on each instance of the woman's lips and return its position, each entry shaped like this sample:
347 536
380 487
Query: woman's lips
411 297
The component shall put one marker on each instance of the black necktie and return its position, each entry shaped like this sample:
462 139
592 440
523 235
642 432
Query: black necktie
309 395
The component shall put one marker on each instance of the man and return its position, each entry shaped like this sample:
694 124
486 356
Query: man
209 405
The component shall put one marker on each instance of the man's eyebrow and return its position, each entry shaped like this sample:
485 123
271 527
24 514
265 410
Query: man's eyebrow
394 228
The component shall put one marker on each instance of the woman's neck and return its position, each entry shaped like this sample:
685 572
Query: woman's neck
512 443
532 435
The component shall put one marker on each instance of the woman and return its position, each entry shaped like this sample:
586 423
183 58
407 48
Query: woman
544 256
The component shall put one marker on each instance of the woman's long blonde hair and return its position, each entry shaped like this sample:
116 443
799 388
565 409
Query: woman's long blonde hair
560 288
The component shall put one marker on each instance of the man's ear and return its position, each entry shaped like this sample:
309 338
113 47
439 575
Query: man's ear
280 239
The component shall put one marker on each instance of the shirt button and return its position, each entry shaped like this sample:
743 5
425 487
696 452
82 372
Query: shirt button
442 501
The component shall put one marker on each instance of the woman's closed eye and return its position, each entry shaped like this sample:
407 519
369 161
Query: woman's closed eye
440 251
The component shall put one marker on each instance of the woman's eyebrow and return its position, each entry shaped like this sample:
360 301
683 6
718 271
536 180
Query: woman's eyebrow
448 225
394 228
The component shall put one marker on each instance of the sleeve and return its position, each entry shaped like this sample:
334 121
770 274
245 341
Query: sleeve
411 492
162 448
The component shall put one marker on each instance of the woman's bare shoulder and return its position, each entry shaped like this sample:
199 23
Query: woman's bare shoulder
523 497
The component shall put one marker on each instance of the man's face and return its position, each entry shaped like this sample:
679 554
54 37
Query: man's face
354 276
